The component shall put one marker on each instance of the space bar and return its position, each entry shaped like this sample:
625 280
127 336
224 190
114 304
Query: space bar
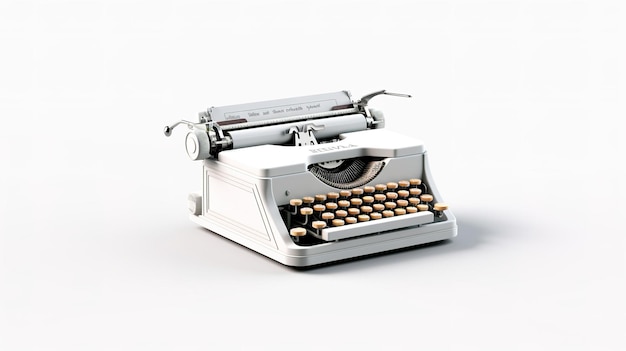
378 225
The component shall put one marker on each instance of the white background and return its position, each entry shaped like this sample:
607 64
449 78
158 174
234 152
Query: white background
521 105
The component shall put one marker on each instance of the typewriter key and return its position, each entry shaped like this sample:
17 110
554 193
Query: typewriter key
414 201
295 203
380 188
345 194
357 192
350 220
332 196
355 201
388 213
320 198
338 222
403 194
308 200
296 233
411 209
366 209
391 195
439 208
422 207
415 191
415 182
368 199
378 207
404 184
318 226
319 208
392 186
331 206
399 211
341 213
376 215
352 211
426 198
363 218
380 198
369 190
327 216
402 203
390 205
306 212
343 204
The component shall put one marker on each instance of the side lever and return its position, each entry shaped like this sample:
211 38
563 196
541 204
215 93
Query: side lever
365 99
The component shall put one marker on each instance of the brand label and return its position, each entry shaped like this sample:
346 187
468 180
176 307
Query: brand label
331 148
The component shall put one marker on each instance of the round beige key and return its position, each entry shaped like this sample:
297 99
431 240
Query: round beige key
353 211
338 222
308 199
403 194
328 216
332 195
319 208
363 218
350 220
399 211
355 201
343 203
380 197
366 209
426 198
404 183
414 201
345 193
331 206
402 203
318 225
376 215
388 213
392 186
415 191
369 189
415 182
422 207
295 202
357 192
392 195
367 199
320 198
378 207
298 232
440 206
390 205
380 187
411 209
341 213
306 211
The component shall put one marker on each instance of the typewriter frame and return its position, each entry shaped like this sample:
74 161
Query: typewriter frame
230 192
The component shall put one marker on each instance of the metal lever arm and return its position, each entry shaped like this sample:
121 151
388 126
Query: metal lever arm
365 99
168 129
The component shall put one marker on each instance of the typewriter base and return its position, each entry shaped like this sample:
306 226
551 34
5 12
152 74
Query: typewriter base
373 244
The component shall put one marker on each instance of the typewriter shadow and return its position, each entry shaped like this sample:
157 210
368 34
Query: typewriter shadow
470 235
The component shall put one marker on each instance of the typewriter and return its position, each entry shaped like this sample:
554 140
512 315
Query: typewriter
314 179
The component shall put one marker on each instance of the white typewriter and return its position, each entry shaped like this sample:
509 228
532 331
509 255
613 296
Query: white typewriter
313 179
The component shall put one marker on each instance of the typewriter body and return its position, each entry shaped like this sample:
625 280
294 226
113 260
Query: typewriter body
313 179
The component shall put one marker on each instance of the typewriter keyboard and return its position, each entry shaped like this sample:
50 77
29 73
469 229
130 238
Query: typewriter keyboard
361 211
